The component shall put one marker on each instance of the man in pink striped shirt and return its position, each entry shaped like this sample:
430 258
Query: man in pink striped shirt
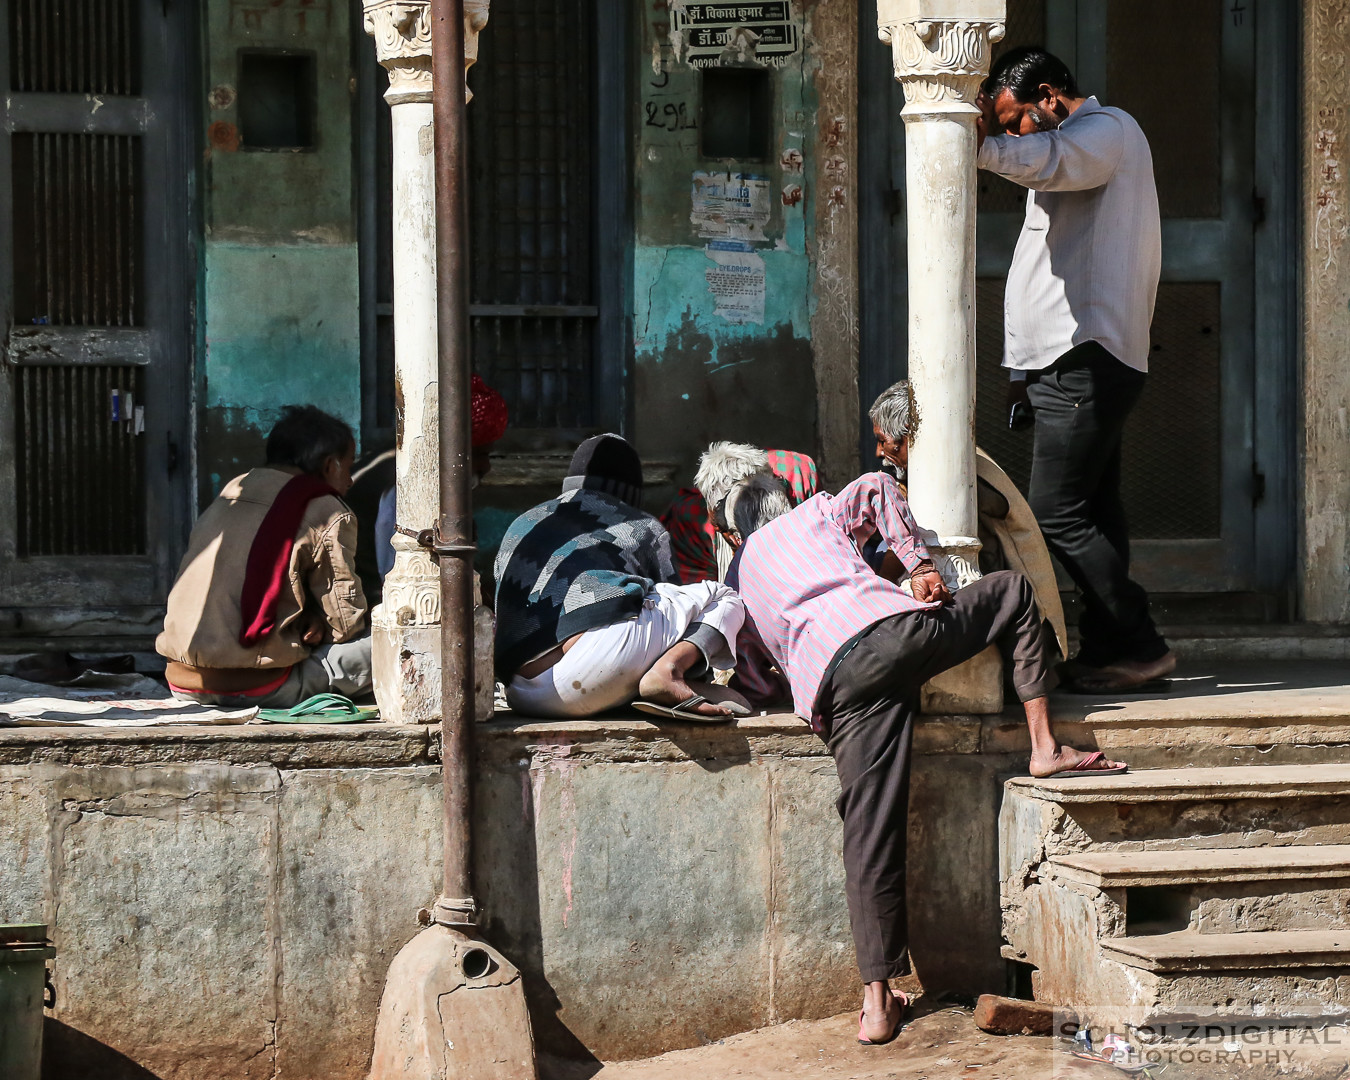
855 650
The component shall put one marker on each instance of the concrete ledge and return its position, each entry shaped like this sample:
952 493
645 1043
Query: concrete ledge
615 738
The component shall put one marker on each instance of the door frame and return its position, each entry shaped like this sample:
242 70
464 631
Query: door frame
60 594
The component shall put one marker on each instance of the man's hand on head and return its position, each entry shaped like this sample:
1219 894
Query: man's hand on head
928 586
986 123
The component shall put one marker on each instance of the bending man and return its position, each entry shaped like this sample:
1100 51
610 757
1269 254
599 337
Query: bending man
589 615
855 650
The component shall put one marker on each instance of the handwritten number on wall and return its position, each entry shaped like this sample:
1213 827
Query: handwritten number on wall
670 117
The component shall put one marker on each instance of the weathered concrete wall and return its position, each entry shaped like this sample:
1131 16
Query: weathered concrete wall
1326 287
702 372
280 317
225 903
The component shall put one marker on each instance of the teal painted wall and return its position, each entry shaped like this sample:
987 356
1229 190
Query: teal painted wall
699 374
280 321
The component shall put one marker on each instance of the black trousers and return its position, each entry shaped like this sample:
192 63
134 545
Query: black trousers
867 705
1081 404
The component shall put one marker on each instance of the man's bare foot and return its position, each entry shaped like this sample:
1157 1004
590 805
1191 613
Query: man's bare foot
882 1014
1126 674
1064 759
664 685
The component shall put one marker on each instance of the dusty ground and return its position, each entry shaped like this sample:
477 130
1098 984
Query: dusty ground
937 1044
942 1043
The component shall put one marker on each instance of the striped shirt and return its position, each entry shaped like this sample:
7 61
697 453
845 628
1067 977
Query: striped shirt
807 589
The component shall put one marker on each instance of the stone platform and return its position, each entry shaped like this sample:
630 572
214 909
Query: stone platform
225 901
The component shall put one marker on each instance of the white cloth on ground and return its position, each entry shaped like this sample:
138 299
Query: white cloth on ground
603 669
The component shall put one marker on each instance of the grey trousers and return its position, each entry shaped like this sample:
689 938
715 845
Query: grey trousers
867 705
333 669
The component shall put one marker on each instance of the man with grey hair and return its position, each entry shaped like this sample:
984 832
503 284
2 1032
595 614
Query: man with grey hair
749 505
699 551
895 421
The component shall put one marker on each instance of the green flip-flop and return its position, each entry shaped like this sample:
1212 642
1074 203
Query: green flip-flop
321 709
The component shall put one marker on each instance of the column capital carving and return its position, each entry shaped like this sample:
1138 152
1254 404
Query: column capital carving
940 62
402 33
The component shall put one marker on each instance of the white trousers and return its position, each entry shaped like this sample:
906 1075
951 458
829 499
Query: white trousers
603 668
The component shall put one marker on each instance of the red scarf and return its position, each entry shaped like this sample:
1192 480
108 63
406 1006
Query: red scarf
269 559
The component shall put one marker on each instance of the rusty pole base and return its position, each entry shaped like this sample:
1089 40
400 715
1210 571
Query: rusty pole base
453 1007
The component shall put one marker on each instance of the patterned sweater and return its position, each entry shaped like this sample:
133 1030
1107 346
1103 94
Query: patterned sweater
575 563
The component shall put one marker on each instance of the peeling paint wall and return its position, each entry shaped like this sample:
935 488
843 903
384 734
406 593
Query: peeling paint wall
280 321
745 368
1326 274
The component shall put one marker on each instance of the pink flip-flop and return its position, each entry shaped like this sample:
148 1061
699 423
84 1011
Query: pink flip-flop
899 1025
1084 768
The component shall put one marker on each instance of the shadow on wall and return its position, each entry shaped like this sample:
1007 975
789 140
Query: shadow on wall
505 812
68 1054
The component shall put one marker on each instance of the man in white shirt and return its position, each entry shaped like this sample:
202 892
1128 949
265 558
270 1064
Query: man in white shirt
1077 310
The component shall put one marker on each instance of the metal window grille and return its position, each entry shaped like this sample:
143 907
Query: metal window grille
1185 141
74 46
79 470
532 142
77 232
78 213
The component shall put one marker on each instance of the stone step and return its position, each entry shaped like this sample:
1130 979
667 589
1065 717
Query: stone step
1188 785
1204 866
1186 951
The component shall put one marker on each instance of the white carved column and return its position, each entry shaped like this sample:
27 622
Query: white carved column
406 626
941 54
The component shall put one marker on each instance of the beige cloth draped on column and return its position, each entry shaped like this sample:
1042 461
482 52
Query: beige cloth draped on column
1012 538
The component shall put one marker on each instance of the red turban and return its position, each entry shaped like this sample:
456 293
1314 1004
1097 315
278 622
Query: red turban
488 409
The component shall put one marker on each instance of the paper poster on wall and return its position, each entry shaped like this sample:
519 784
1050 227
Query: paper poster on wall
709 35
736 281
730 206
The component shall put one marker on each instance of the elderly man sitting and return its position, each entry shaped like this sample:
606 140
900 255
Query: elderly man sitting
589 615
855 650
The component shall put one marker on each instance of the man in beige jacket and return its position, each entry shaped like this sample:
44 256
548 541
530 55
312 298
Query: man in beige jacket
267 609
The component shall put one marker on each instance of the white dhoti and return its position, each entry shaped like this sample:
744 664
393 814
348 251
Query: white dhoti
603 668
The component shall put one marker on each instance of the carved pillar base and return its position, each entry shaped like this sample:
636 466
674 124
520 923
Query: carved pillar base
977 685
406 657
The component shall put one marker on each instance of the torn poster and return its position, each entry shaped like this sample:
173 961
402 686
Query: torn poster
736 281
730 206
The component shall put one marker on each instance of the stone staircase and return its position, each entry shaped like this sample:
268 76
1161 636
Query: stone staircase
1175 895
